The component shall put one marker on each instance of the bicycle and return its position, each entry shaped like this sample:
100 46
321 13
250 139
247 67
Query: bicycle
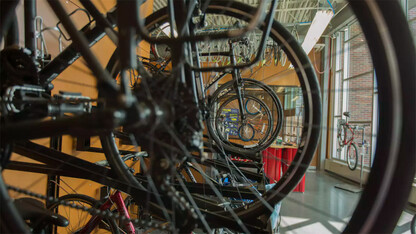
80 222
74 207
375 203
255 124
352 150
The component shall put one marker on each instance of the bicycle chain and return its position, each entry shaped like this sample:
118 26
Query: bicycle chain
176 197
106 214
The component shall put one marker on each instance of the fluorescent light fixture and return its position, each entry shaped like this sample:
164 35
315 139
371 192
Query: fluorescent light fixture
295 98
318 26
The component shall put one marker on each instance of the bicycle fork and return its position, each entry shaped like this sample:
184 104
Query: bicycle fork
237 83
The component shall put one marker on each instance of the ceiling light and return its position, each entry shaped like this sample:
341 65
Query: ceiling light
318 26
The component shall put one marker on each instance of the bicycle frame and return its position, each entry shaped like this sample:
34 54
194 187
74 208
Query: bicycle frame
117 199
351 139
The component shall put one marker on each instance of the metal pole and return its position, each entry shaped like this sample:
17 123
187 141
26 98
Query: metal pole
325 104
363 145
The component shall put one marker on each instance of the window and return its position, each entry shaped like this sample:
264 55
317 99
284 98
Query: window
293 117
353 90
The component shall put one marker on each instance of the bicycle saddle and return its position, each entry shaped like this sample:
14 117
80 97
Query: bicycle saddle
35 211
347 113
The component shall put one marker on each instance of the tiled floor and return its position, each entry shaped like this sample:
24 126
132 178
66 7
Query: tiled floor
324 208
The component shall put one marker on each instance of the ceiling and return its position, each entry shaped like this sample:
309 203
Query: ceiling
296 15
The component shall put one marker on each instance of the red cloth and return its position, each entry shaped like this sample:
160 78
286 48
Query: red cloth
287 157
272 159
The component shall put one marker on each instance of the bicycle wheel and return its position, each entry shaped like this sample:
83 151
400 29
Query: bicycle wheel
352 156
253 130
246 132
341 135
79 218
413 225
250 87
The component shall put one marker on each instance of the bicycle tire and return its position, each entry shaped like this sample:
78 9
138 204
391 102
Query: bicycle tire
80 199
413 225
248 98
388 186
226 89
341 135
352 162
248 111
241 136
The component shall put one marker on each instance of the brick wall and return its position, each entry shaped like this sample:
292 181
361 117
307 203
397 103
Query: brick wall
360 89
360 86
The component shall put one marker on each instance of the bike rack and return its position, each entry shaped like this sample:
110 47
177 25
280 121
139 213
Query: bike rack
350 187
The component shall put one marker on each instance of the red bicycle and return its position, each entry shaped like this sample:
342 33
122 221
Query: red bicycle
343 140
81 221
